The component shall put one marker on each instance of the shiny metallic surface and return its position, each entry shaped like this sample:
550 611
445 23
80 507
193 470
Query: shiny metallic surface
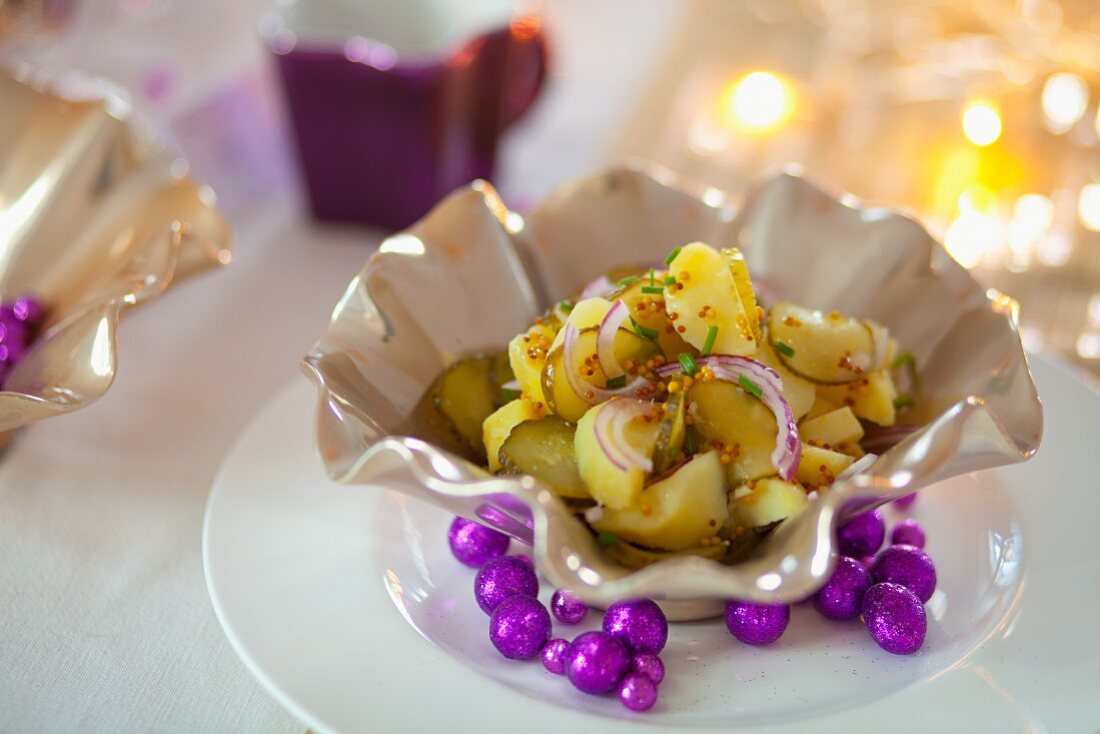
472 274
94 217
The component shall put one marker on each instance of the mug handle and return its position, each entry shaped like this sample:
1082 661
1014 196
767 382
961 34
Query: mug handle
527 70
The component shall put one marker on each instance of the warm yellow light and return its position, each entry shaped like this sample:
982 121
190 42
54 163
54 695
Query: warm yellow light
1088 345
971 236
977 198
1088 206
1065 98
759 102
981 123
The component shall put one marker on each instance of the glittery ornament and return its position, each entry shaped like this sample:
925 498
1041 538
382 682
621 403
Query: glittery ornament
908 532
895 618
595 662
553 655
525 559
862 535
520 627
906 565
473 544
842 595
756 624
501 578
867 561
648 665
906 501
12 330
637 692
567 607
639 623
28 310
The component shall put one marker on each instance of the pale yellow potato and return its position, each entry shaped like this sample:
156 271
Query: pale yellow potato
527 356
499 425
611 486
741 280
833 428
731 420
819 467
587 314
800 394
768 500
871 398
829 348
704 281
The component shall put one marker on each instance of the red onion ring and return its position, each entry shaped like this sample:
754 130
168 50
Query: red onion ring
601 286
880 337
610 424
605 339
586 391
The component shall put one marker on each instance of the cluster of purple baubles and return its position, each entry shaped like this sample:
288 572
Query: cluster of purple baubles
19 321
887 589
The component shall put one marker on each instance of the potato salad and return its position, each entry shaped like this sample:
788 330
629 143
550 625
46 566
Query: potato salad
675 412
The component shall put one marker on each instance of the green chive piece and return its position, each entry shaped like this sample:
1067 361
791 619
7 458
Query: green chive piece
672 255
689 441
566 306
670 280
902 359
750 386
903 401
509 395
708 343
606 540
655 290
785 349
629 280
688 363
614 383
644 331
652 281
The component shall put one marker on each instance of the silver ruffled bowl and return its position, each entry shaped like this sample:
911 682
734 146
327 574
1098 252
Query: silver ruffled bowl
472 274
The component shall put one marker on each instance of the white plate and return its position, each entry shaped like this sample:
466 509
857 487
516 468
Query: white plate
346 604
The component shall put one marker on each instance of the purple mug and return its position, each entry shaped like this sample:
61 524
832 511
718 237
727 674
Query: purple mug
382 135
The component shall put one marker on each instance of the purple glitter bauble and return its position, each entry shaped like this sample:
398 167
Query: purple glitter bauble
906 501
895 618
567 607
908 532
867 561
502 578
520 627
553 655
842 595
12 330
906 565
638 623
525 559
28 310
637 692
648 665
756 624
862 535
473 544
595 662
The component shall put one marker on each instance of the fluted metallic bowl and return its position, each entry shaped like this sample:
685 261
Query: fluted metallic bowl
471 275
95 216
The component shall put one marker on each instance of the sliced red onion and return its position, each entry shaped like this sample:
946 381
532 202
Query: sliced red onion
605 339
586 391
788 447
880 337
610 425
858 466
601 286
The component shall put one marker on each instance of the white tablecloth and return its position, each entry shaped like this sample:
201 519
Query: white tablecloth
105 624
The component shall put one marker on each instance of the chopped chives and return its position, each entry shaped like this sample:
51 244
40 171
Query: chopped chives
655 290
614 383
606 540
903 401
689 441
672 255
652 281
566 306
629 280
508 394
901 360
644 331
688 363
750 386
670 280
708 343
785 349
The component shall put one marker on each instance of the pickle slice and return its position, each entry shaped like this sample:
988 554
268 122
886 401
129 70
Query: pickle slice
670 435
467 397
635 556
544 449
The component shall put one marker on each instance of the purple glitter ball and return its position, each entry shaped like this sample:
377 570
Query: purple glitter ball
906 500
906 565
553 655
862 535
473 544
28 310
756 624
908 532
895 618
525 559
501 578
520 627
867 561
12 330
568 608
595 662
842 595
639 623
648 665
637 692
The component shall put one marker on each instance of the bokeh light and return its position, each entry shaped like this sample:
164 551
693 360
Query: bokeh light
1065 98
981 123
1088 206
759 102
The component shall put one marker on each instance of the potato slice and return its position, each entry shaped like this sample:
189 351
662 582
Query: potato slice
587 314
833 428
828 348
648 311
608 484
704 284
466 397
800 394
544 448
730 420
632 556
822 404
741 280
677 512
497 426
819 467
765 501
871 398
527 356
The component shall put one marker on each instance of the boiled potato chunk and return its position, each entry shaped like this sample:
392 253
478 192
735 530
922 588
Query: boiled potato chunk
608 484
822 404
871 398
833 428
732 421
819 467
765 501
828 348
800 394
741 280
497 426
545 449
704 284
632 556
527 357
648 310
677 512
587 314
